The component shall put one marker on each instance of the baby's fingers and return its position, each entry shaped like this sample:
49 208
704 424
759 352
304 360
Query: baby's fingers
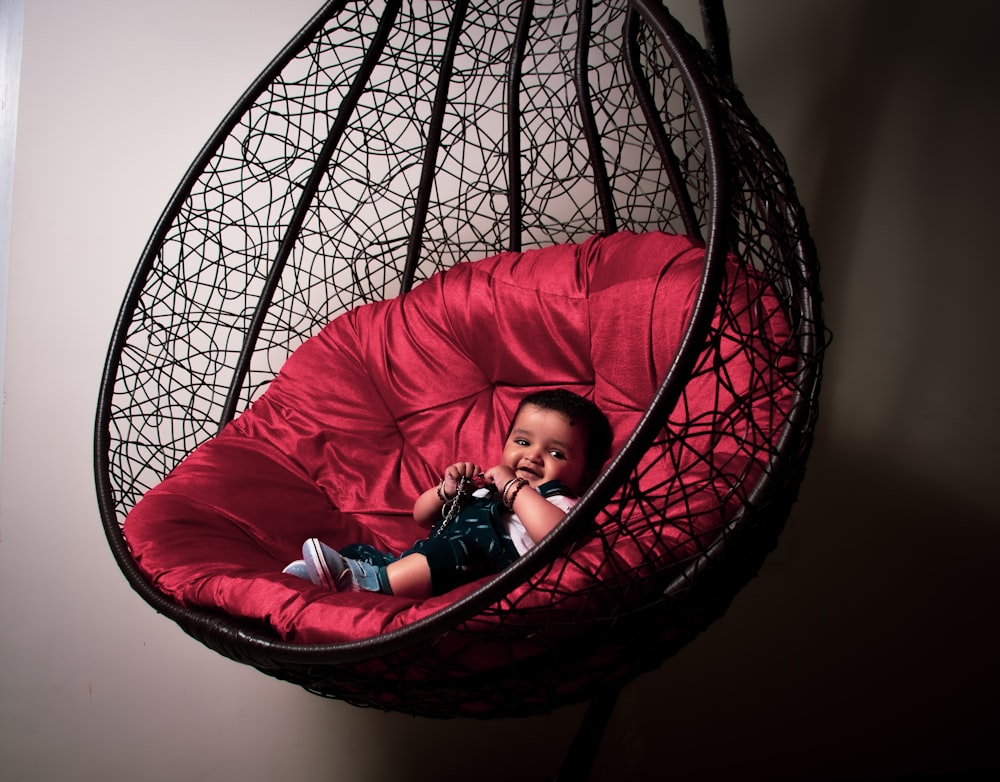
461 470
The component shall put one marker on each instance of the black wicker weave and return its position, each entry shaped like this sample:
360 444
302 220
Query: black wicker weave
388 141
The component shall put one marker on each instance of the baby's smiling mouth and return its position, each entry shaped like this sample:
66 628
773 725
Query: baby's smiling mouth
528 471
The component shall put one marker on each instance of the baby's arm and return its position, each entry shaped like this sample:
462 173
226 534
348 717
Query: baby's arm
536 513
427 508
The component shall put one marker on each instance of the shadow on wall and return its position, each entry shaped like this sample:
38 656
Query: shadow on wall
867 647
890 128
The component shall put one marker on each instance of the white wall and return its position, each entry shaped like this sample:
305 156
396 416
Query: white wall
11 36
866 647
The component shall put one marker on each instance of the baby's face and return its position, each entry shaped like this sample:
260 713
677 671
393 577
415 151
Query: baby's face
544 446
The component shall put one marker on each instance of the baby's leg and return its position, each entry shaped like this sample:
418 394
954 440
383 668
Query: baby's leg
410 576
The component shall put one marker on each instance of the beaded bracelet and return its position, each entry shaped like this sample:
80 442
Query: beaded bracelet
509 501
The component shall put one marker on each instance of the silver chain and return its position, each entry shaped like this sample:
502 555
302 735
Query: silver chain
455 503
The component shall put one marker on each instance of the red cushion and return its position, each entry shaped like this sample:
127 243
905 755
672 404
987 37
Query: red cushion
366 414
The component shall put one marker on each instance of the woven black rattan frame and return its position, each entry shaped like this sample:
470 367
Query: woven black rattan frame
387 142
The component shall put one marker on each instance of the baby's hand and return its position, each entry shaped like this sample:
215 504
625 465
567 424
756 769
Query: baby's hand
456 472
499 475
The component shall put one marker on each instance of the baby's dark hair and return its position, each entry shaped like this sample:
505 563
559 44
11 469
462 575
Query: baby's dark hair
577 410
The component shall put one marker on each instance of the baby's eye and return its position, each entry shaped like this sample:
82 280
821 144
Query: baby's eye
521 441
557 454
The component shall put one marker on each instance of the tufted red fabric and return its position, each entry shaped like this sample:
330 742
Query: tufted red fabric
366 414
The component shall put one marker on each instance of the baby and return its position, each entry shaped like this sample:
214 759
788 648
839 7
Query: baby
555 448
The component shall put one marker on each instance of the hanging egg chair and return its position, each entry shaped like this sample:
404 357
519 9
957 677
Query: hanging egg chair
419 212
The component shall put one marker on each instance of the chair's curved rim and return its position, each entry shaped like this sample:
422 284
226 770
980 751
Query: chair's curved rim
253 646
